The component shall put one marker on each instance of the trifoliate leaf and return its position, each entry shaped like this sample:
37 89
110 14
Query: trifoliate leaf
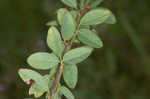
54 41
88 37
42 60
77 55
96 16
70 75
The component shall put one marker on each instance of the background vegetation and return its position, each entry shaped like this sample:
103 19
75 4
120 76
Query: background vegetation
120 70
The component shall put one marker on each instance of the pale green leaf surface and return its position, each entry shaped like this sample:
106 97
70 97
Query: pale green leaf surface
96 16
74 14
111 19
82 2
42 60
77 55
66 92
70 3
36 90
27 74
52 23
70 75
68 26
54 41
90 38
95 3
60 14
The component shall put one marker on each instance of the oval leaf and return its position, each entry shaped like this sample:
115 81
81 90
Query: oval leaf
52 23
27 75
90 38
66 92
54 41
95 3
60 14
74 14
42 60
68 26
77 55
111 19
36 90
96 16
70 3
70 75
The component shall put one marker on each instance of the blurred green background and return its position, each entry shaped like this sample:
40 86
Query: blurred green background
119 70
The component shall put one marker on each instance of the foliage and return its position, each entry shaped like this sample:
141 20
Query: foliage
73 23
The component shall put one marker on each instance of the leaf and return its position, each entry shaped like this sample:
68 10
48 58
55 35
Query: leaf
36 90
70 75
60 14
52 23
70 3
43 60
77 55
82 2
74 14
111 19
84 27
68 26
54 41
95 3
66 92
96 16
90 38
53 71
27 75
57 95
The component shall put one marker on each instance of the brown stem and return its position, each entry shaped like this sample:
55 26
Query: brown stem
61 66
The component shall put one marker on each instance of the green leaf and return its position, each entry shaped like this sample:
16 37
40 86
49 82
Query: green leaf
68 26
57 95
27 75
96 16
66 92
54 41
90 38
111 19
53 71
84 27
82 2
43 60
70 75
52 23
95 3
36 90
77 55
70 3
60 14
74 14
